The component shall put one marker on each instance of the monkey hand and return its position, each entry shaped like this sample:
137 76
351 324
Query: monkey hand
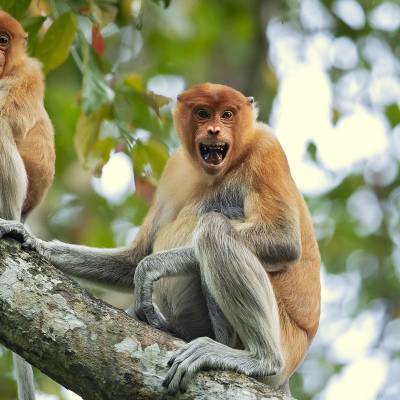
144 309
14 229
18 231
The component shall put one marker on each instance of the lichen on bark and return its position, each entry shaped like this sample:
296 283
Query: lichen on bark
90 347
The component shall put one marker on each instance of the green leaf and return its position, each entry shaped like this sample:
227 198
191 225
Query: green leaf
19 9
156 101
139 211
165 3
87 135
95 91
158 156
99 155
153 153
132 107
54 48
312 151
393 114
16 8
7 5
32 26
131 12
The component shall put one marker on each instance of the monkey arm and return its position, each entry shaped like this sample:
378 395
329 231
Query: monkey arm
276 247
271 230
114 266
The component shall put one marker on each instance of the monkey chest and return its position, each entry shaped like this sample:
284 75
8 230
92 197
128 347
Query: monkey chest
228 201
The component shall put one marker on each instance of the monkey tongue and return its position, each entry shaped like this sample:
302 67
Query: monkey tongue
216 157
213 157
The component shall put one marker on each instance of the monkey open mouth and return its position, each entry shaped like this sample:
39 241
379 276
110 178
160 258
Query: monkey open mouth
213 153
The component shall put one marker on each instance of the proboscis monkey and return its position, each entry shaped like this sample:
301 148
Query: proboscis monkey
226 257
26 144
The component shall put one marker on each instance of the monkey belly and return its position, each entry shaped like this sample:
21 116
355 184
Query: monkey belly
177 233
181 301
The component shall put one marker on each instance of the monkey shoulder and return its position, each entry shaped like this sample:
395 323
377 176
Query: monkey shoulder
23 91
33 78
180 181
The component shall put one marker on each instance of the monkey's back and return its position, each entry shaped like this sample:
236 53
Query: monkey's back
22 106
297 288
298 292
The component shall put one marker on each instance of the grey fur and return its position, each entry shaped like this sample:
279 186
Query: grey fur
216 288
25 381
275 246
237 289
13 179
228 201
13 188
181 261
115 266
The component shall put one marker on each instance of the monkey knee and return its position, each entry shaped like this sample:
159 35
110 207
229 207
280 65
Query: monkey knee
211 220
213 227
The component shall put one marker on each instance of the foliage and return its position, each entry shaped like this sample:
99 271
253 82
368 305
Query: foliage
103 61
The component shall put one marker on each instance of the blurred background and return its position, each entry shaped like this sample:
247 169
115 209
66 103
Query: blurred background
326 76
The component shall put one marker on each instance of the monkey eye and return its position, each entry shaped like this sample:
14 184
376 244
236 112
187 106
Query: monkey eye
4 39
227 114
203 113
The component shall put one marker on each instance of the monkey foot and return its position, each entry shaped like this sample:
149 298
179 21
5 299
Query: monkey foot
205 353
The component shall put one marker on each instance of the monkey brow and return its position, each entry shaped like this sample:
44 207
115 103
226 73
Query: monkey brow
8 33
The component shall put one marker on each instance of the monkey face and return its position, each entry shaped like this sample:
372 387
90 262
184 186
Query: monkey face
213 122
4 45
12 43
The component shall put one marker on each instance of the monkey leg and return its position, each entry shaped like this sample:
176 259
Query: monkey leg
241 288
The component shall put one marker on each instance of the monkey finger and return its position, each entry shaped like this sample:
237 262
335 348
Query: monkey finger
180 376
174 376
186 351
196 365
178 353
14 230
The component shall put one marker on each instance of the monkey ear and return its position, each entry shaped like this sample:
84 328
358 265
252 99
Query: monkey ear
250 99
179 98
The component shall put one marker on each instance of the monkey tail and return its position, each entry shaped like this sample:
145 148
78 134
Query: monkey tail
25 381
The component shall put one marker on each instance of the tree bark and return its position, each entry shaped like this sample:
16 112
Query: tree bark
90 347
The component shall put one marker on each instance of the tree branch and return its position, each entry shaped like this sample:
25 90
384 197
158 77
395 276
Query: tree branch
90 347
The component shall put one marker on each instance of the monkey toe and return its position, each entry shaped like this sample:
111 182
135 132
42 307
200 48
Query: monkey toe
184 364
29 244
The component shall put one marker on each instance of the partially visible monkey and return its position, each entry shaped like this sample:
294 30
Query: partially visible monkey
26 144
227 249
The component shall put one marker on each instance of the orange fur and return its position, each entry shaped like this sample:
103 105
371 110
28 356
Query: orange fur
21 105
256 161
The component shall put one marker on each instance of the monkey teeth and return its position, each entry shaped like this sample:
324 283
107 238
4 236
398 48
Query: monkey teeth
213 153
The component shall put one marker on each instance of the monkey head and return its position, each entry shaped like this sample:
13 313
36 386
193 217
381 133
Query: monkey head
12 43
215 124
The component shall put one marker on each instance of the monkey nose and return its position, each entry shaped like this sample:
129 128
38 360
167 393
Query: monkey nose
213 130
